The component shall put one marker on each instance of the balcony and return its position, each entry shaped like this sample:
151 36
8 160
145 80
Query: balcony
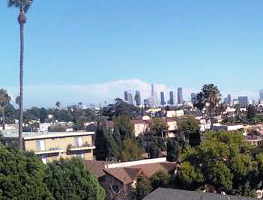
54 150
80 148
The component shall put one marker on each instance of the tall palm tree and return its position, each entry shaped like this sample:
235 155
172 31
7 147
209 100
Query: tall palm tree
4 101
23 5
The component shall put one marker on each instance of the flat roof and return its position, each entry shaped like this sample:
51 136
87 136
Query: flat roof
43 135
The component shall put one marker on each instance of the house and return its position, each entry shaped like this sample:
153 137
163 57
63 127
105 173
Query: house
120 178
172 194
140 127
54 145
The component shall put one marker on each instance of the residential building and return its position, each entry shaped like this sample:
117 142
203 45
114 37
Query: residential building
243 101
171 194
162 99
53 145
120 178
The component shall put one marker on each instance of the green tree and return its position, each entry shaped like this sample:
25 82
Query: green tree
124 126
22 175
223 160
210 94
189 126
159 127
143 188
69 179
173 151
4 101
160 179
120 108
131 151
251 111
23 5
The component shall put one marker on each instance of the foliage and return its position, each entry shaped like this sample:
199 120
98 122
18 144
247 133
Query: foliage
124 126
209 94
173 151
159 127
251 111
143 188
69 179
4 101
107 146
223 160
131 151
120 108
154 150
22 175
160 179
188 124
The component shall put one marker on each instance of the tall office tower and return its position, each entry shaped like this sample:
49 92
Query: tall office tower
229 99
130 100
261 95
180 95
162 99
137 98
171 98
125 96
243 101
193 97
153 99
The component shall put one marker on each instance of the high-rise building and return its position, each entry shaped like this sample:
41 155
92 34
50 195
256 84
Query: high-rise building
193 97
162 99
229 99
125 96
137 98
130 99
261 95
153 98
243 101
171 102
180 95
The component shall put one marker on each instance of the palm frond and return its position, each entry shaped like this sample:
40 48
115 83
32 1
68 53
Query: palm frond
18 3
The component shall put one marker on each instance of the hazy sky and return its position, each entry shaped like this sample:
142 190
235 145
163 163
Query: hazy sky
74 44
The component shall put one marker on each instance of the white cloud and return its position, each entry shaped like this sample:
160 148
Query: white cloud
47 95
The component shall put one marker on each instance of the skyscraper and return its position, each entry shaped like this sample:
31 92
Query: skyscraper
171 98
261 95
193 97
125 96
180 95
243 101
130 99
162 99
229 99
137 98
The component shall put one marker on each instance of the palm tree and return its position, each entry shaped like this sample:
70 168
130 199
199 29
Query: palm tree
23 5
4 101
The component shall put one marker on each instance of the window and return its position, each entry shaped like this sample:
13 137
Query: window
78 141
40 145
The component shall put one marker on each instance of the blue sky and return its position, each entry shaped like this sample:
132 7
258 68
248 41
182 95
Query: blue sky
171 43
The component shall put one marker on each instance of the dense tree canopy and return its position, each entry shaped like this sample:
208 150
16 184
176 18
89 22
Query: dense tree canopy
120 108
21 175
223 160
69 179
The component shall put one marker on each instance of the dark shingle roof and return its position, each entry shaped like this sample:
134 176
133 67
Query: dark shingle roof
175 194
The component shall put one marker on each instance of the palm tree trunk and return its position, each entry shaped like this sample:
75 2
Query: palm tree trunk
21 83
3 117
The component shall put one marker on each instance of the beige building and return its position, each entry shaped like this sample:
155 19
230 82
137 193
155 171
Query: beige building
53 145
